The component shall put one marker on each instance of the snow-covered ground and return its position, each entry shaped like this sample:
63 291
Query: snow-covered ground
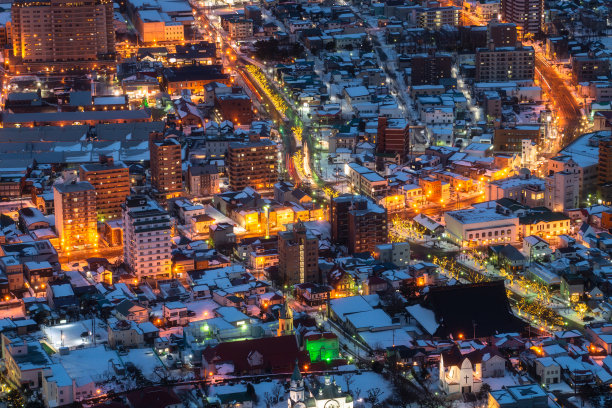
69 335
96 362
146 360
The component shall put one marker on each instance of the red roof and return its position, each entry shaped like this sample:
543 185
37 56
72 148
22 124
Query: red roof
278 354
154 397
317 336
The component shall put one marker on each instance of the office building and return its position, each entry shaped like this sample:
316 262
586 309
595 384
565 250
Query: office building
166 167
512 139
75 215
393 137
526 14
56 32
503 64
146 238
430 69
298 255
252 164
112 183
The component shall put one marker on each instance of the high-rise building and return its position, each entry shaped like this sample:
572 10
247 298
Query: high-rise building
75 215
166 166
526 14
503 64
393 136
358 223
62 31
298 255
252 164
112 183
367 228
430 69
146 238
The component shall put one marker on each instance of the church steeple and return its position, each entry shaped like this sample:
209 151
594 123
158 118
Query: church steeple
285 321
296 391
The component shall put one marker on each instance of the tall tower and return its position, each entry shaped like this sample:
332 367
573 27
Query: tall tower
296 390
285 321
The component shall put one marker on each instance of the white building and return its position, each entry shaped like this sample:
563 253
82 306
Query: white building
146 238
562 191
329 395
481 226
529 153
437 115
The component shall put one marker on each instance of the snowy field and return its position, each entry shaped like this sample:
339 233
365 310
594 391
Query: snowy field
71 333
96 362
146 361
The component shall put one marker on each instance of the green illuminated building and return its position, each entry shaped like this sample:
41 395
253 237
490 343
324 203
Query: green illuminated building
322 346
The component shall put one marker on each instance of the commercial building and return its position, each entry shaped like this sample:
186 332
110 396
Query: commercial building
235 107
112 184
75 215
166 168
430 69
511 139
154 27
393 136
252 164
481 226
503 64
146 238
192 78
56 32
298 255
526 14
240 28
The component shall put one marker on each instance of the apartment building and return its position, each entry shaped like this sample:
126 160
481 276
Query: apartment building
504 64
112 184
526 14
252 164
435 17
55 31
166 167
367 227
393 136
430 69
298 255
75 215
146 238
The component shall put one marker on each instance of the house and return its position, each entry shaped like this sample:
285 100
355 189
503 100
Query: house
518 396
175 313
547 370
507 257
127 310
572 287
61 296
535 248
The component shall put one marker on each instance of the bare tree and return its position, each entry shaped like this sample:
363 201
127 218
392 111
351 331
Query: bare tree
374 397
348 378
